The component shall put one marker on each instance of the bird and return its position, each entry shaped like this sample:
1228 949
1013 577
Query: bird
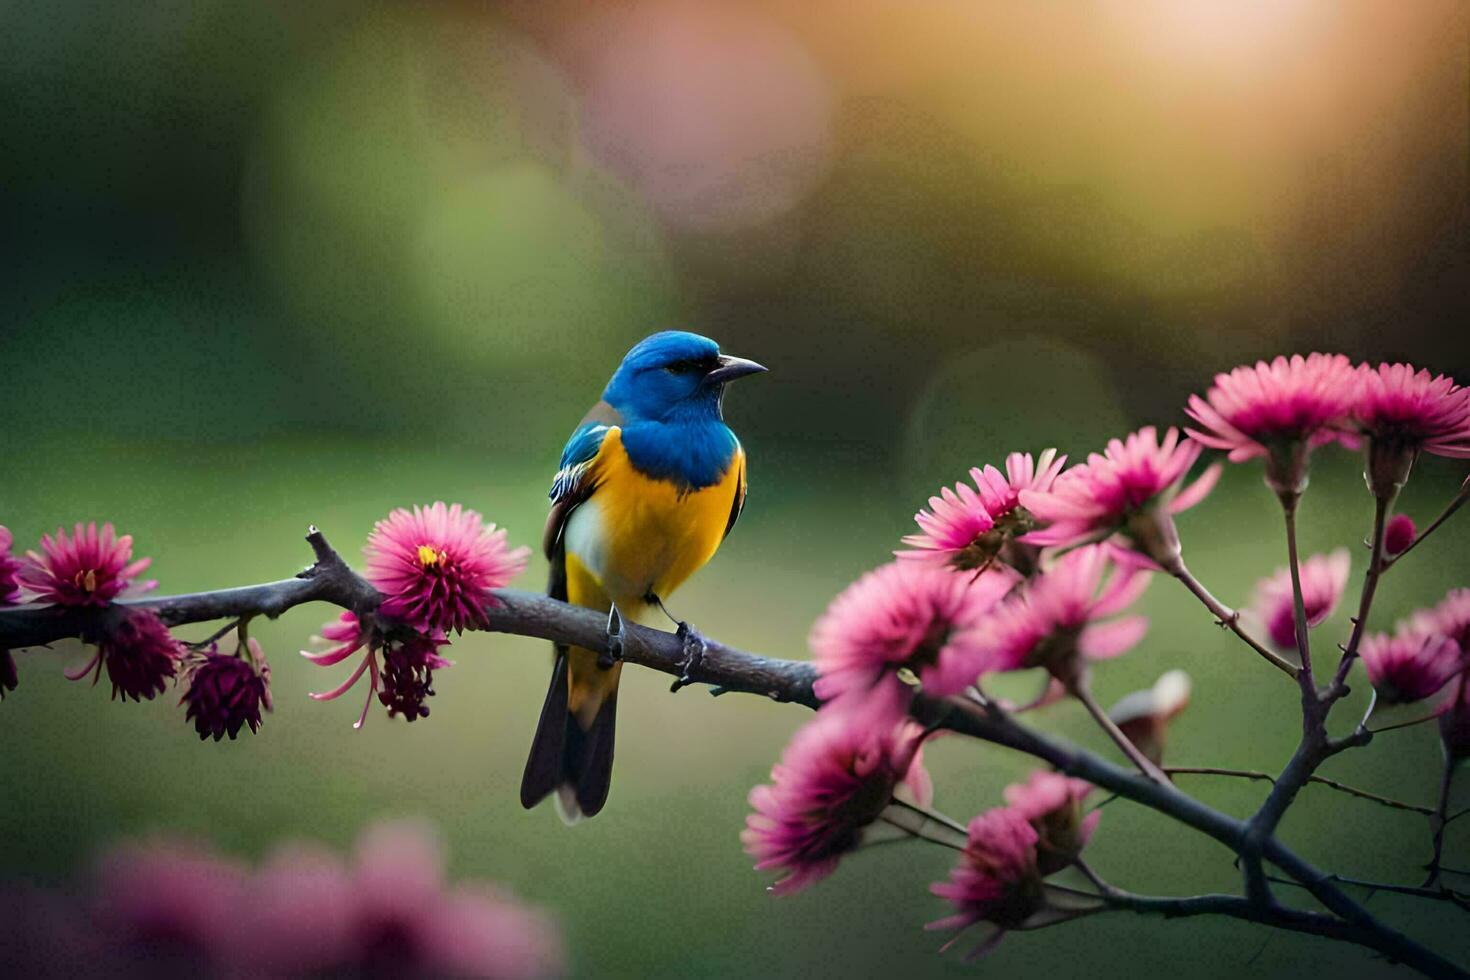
650 483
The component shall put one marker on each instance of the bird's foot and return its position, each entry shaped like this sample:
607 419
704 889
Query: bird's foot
614 651
694 647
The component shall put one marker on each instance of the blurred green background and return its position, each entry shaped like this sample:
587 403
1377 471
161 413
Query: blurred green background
270 264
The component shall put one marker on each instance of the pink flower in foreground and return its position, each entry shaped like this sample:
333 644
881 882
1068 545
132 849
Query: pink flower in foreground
1323 579
1450 617
1412 409
140 655
1054 621
226 692
836 776
1133 488
1408 665
437 566
903 614
1399 534
997 879
1281 410
166 900
970 529
1052 804
10 569
308 913
405 680
89 568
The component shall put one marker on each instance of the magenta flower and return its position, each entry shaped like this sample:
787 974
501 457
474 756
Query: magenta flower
140 656
1281 410
437 566
1323 579
970 529
997 879
407 677
1055 621
87 569
837 775
1409 665
403 683
1144 716
1052 804
1399 534
900 615
226 692
10 570
1135 488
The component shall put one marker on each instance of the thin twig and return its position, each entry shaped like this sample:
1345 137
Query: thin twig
1083 693
1227 617
1440 821
1455 504
1339 688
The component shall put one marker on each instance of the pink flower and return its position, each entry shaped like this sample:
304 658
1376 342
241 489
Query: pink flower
1399 534
1413 410
405 680
970 529
1323 579
437 566
997 879
226 692
1450 617
837 775
903 614
390 912
1052 803
1144 716
1133 488
1281 410
1054 621
1409 665
168 900
86 569
140 656
10 569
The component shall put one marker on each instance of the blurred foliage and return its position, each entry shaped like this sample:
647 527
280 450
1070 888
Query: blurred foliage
275 263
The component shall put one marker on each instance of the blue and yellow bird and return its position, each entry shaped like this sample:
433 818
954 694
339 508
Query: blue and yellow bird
650 484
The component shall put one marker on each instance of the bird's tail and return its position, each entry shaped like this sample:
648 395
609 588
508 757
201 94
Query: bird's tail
572 752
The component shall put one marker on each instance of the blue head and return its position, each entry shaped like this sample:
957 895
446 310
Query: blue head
674 376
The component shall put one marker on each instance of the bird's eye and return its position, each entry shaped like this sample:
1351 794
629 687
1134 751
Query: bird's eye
679 367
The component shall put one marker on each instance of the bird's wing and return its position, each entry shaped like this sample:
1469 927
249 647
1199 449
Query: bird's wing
738 504
575 479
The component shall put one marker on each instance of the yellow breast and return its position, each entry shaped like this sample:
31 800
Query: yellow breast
636 534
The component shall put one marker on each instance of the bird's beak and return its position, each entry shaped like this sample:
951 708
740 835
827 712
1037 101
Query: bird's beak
731 368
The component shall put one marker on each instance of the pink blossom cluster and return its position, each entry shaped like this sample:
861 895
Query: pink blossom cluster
1036 567
172 907
437 568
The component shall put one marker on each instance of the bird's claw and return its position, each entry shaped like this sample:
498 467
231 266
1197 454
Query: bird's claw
694 647
614 651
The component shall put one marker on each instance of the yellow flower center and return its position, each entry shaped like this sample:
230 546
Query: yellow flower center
86 580
428 556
